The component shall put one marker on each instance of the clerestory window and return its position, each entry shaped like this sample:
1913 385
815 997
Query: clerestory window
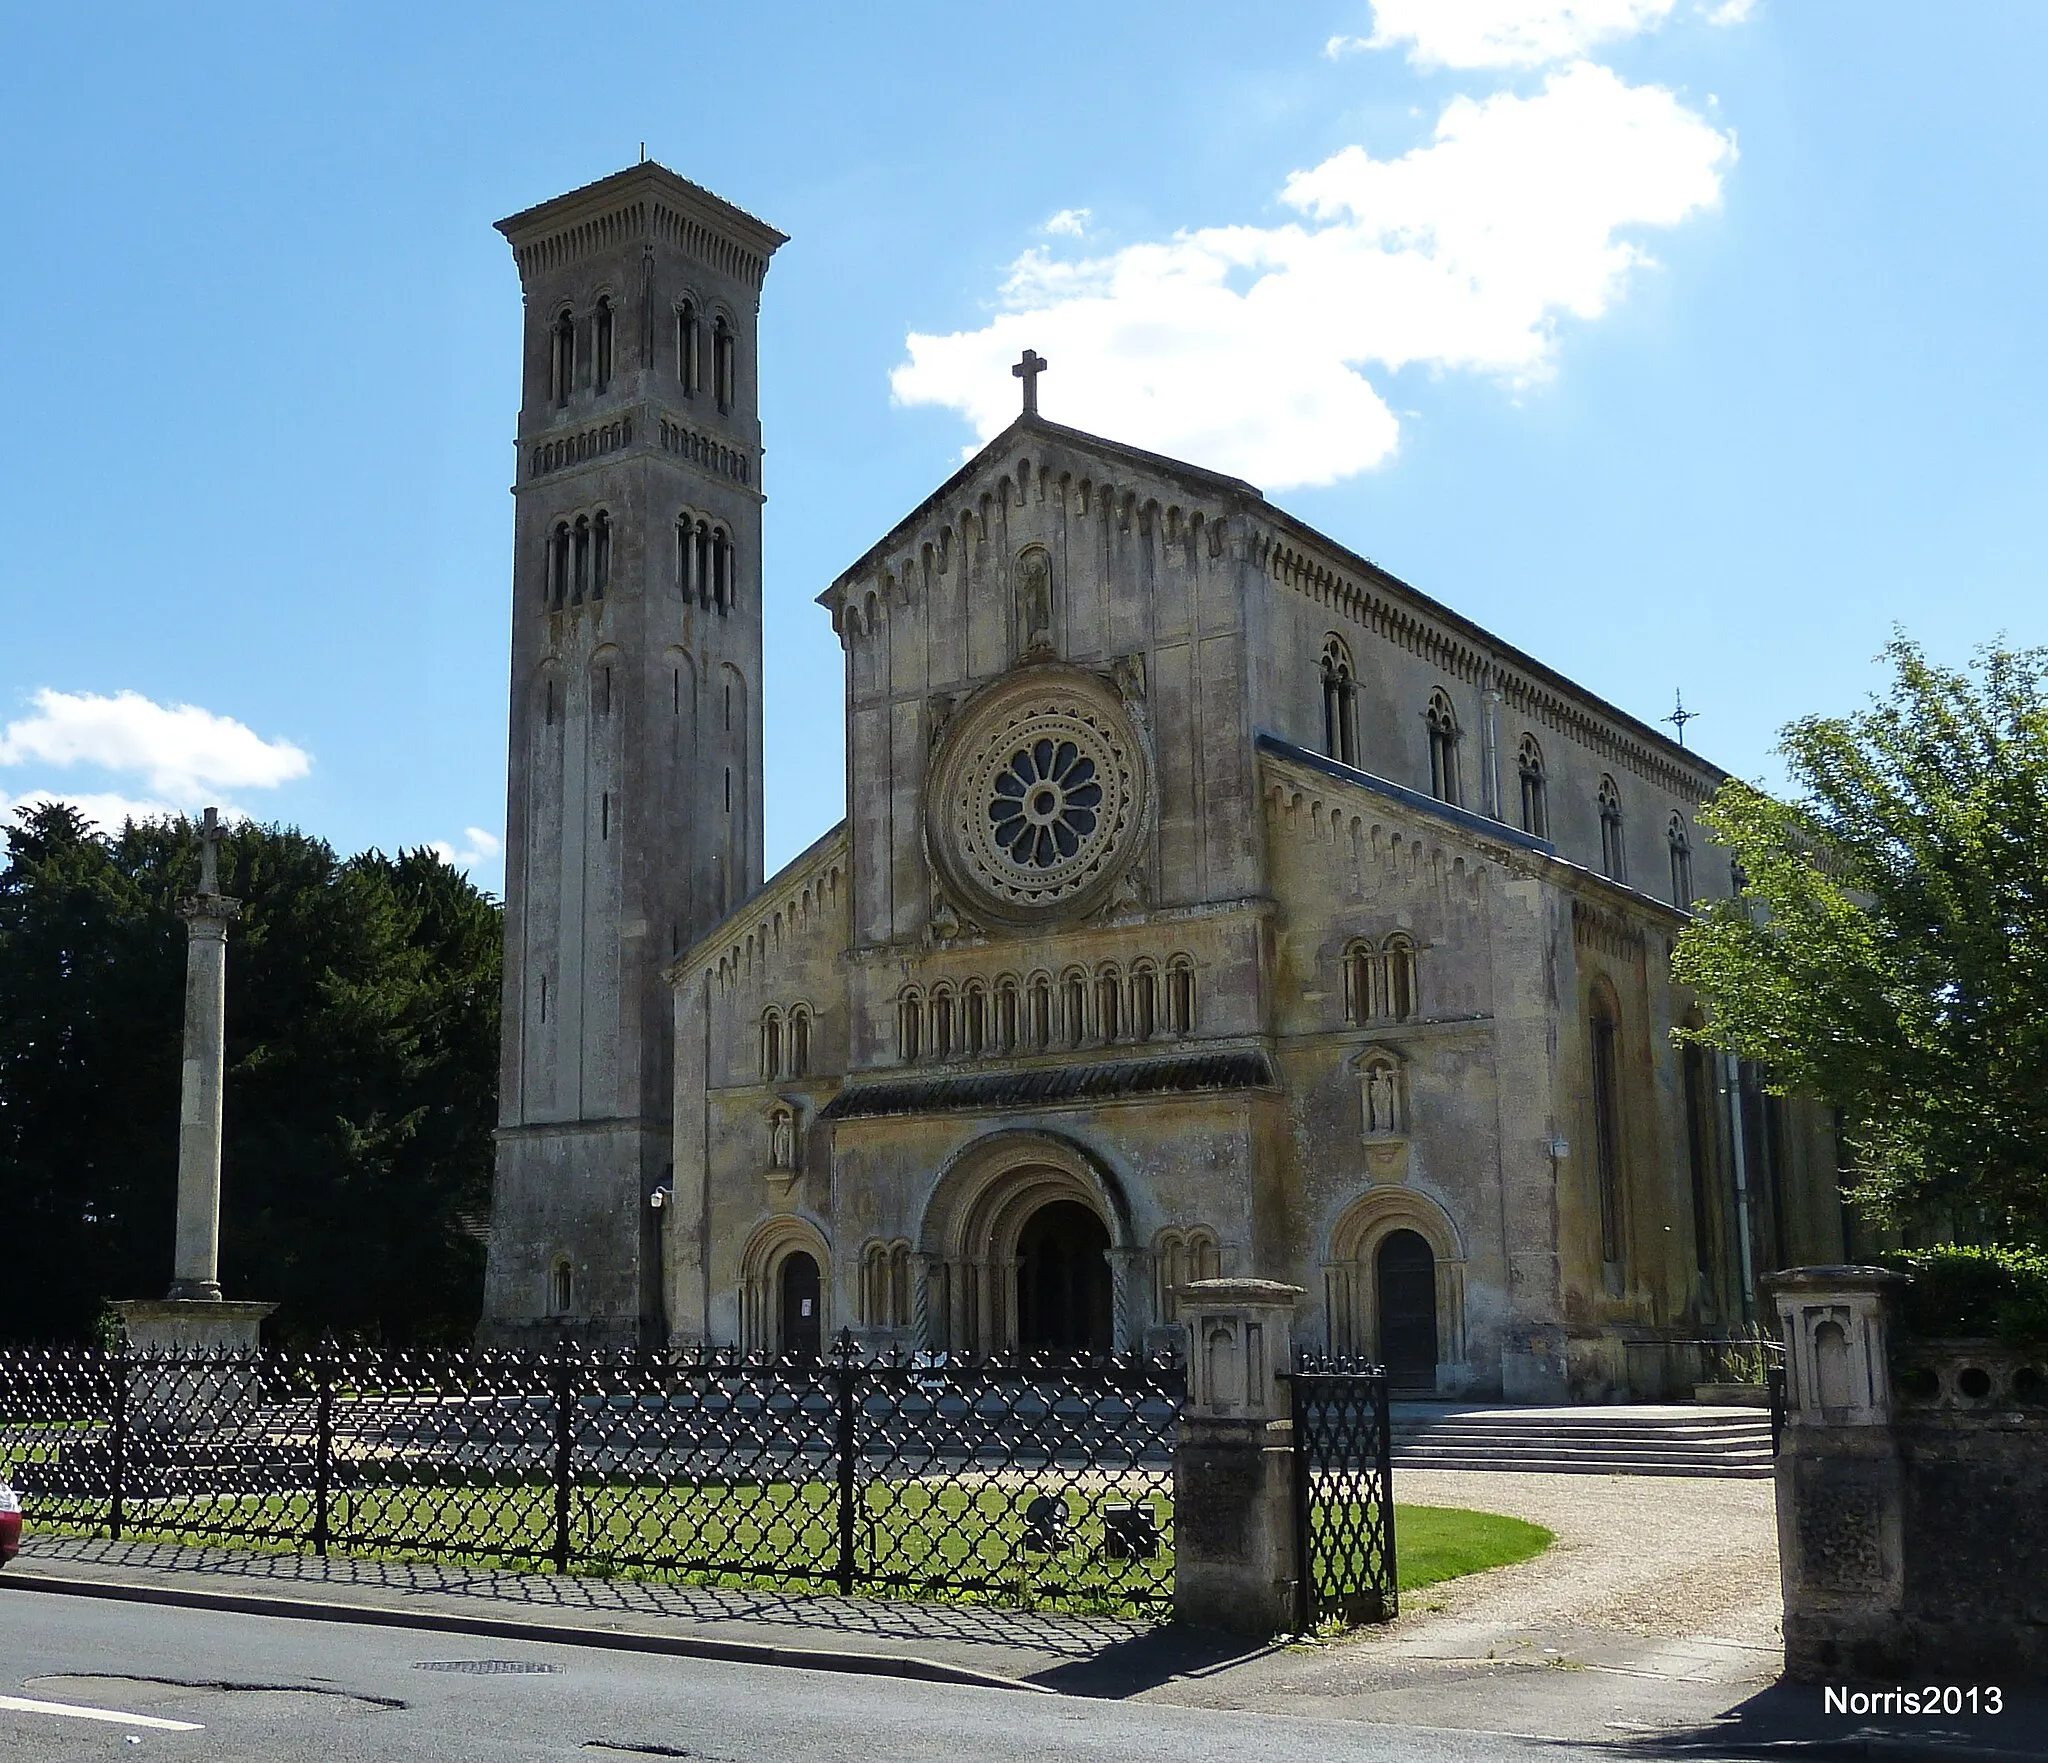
1340 702
1535 799
1444 783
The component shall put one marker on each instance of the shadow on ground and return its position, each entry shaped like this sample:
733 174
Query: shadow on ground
1793 1720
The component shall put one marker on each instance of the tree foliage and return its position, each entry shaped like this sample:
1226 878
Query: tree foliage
362 1045
1890 952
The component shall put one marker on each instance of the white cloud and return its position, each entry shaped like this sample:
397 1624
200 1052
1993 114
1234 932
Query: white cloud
1731 12
1240 348
181 752
478 847
1503 33
1069 223
105 811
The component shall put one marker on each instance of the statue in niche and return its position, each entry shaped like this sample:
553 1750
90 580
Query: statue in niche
1034 602
781 1139
1382 1099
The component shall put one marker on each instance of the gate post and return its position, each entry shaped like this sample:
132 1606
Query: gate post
1235 1551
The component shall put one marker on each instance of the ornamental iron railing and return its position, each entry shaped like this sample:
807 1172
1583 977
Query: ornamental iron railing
1343 1495
1013 1480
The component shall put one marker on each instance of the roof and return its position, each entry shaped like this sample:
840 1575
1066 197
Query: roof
1045 1086
1466 819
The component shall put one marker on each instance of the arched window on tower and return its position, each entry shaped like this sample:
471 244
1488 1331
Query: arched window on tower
1399 952
600 554
558 564
800 1041
721 569
1681 860
1340 702
561 1287
579 583
1613 853
1535 805
1180 995
562 358
723 367
601 353
771 1045
688 367
703 563
1444 783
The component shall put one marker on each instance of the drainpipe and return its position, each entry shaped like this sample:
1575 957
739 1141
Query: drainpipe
1731 1074
1489 751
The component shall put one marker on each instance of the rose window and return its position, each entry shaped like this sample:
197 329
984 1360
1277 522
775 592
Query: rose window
1036 797
1046 803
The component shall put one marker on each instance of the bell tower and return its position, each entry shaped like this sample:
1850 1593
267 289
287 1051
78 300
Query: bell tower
633 818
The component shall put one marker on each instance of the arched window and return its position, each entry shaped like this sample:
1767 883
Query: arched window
1681 861
1075 1002
1179 1257
973 1019
600 554
721 569
1443 749
799 1041
1340 702
688 370
579 582
1361 981
942 1022
1041 1011
1144 1001
1180 995
558 564
771 1045
1607 1141
1535 807
1400 977
1613 854
723 367
686 558
702 576
561 1287
1109 1004
910 1025
562 358
1006 1014
602 353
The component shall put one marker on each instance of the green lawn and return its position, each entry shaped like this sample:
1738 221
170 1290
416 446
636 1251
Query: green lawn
1433 1543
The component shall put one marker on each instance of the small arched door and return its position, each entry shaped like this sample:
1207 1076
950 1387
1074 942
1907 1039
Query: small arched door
802 1331
1406 1270
1063 1297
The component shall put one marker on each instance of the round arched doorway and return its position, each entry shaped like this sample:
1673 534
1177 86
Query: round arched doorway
1406 1280
1063 1286
801 1334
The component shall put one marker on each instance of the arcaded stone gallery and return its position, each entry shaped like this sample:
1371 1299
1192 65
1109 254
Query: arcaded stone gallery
1208 901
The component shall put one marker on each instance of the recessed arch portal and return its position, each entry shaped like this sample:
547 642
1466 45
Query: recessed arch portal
1390 1238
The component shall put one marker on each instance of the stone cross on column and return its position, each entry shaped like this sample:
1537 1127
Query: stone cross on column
1028 371
195 1264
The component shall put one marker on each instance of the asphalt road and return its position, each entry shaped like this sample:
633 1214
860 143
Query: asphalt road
273 1690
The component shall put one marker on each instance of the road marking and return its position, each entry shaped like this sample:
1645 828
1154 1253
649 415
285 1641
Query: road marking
75 1711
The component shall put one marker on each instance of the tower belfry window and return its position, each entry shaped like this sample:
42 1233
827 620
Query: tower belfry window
562 358
580 577
558 565
600 555
723 367
688 370
602 352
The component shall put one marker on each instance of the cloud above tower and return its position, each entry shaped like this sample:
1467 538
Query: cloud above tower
1251 349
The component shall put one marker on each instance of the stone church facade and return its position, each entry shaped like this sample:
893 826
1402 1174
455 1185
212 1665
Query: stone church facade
1208 901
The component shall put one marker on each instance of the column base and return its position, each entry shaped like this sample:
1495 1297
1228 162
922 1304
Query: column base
192 1325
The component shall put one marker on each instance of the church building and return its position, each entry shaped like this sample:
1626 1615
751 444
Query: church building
1208 901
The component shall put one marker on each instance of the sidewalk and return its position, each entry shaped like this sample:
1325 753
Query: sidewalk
1465 1656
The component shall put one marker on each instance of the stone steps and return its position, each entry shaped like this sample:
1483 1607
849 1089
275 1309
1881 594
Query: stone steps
1733 1442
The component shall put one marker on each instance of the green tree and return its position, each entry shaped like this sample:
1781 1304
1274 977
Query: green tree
362 1039
1890 952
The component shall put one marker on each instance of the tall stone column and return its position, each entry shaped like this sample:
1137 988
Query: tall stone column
193 1317
1234 1547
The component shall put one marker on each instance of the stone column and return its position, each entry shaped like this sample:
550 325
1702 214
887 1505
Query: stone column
1841 1488
1233 1473
195 1265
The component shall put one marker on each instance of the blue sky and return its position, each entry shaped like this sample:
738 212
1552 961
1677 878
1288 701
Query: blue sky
1682 343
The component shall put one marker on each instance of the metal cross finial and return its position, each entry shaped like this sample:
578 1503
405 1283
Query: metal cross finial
209 860
1028 371
1680 716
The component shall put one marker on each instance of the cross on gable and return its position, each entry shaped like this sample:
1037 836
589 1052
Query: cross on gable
1028 371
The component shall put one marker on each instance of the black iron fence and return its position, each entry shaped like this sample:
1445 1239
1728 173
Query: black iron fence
1343 1495
1028 1481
